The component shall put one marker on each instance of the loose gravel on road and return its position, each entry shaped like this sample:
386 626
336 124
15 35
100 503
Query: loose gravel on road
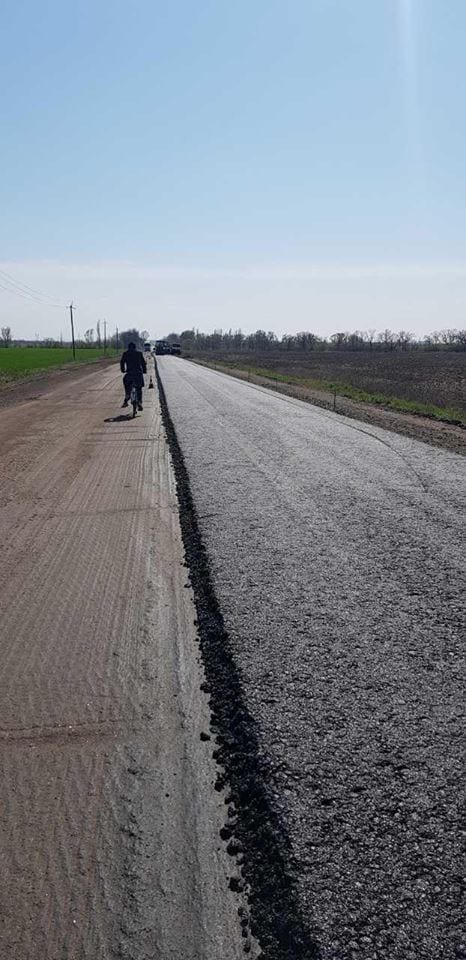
336 555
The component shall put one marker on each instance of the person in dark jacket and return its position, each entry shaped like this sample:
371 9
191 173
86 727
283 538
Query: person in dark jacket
133 365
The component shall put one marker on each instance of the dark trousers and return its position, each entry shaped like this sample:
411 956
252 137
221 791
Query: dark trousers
128 383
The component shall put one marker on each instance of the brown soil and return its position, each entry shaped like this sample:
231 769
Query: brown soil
34 386
110 827
437 377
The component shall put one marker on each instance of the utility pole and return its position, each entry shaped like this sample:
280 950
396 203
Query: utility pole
72 332
117 340
105 336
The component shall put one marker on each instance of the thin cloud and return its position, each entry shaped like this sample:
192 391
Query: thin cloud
283 297
123 270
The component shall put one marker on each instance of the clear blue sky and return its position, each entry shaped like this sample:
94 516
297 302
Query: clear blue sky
156 153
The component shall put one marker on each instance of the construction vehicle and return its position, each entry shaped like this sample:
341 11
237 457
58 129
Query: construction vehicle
162 347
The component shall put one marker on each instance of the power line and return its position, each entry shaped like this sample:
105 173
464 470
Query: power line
9 284
28 297
18 292
23 289
28 289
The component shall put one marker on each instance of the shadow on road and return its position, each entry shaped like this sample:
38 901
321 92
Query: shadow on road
121 417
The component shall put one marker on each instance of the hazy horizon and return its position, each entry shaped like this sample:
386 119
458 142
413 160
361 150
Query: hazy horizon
286 298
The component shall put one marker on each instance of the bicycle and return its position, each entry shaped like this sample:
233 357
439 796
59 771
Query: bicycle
133 398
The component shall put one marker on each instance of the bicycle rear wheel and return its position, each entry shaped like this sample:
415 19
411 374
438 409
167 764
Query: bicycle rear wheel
134 400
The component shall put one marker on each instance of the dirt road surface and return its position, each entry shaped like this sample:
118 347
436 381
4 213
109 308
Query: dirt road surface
110 825
336 552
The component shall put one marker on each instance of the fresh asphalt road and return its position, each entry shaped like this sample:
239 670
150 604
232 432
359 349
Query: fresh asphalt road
336 553
109 832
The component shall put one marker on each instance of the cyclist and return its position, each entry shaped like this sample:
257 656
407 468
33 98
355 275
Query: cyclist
133 365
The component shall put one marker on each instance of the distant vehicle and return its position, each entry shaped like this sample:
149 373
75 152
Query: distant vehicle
147 347
162 347
175 349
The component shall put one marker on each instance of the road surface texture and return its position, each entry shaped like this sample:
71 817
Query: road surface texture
109 836
335 553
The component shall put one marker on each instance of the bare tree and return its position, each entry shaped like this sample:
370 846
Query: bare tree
404 339
6 336
448 337
126 336
387 339
339 340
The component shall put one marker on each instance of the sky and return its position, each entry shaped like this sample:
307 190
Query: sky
293 165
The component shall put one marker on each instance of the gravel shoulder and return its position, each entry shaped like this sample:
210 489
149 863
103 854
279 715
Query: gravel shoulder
110 835
445 435
336 555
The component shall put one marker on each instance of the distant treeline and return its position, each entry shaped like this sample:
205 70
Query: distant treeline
91 339
235 341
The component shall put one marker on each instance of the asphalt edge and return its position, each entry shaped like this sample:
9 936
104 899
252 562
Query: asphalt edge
444 439
253 830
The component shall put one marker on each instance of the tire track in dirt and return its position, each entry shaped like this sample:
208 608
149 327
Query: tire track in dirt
110 828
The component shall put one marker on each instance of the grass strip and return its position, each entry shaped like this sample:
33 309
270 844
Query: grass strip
430 410
17 363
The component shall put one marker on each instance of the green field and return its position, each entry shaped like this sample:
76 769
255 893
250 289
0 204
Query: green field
18 362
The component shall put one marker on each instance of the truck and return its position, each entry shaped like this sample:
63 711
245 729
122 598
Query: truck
162 347
165 347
